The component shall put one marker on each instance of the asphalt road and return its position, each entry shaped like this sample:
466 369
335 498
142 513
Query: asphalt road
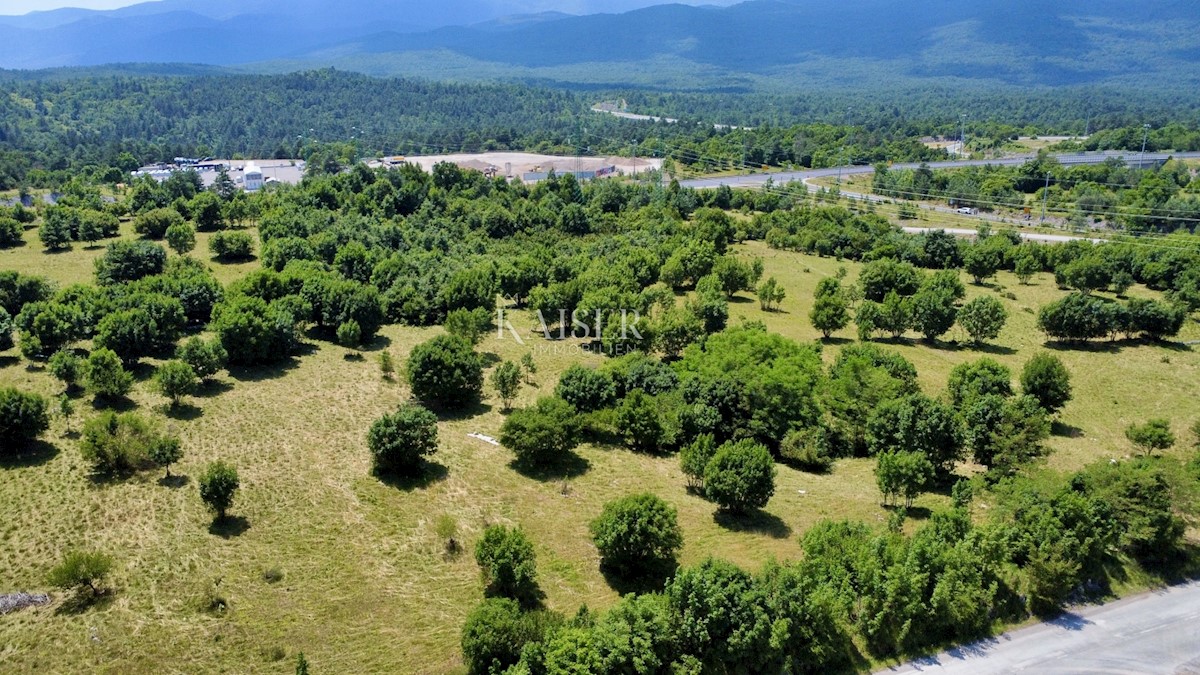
1157 632
760 179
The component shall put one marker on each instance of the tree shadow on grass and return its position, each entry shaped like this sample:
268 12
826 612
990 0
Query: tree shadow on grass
1058 428
570 465
834 341
910 512
6 361
377 343
174 482
84 599
119 404
994 349
473 409
211 388
428 474
229 526
1097 347
264 372
757 522
185 412
648 579
489 359
31 454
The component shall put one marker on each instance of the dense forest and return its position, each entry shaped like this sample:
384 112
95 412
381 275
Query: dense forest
112 119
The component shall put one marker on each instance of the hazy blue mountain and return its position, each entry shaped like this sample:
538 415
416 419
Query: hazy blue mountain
761 43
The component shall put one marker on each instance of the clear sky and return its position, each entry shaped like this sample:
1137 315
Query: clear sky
11 7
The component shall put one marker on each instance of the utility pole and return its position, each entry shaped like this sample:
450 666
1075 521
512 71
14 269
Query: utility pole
1045 197
962 134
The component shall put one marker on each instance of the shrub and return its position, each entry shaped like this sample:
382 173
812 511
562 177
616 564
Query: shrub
66 366
6 330
968 381
497 631
349 334
165 451
694 457
1046 379
218 484
740 476
917 423
206 357
11 232
181 238
253 332
639 424
902 474
506 380
400 441
508 565
983 318
809 449
1153 435
126 261
176 379
231 246
543 433
445 371
155 223
637 534
115 444
81 568
106 377
469 324
23 418
586 388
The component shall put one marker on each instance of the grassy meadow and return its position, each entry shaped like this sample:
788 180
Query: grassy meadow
324 558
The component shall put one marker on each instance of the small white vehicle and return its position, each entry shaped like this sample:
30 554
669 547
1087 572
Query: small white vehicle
966 210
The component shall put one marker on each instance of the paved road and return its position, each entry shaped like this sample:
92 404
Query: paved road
759 179
1157 632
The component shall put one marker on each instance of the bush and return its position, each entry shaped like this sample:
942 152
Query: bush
11 232
218 484
1153 435
231 246
694 457
469 324
968 381
445 371
66 366
637 534
1046 379
253 332
497 631
126 261
155 223
206 357
543 433
639 424
808 449
6 330
983 318
22 418
106 377
902 475
506 380
176 379
740 476
585 388
166 451
508 565
400 441
920 424
349 334
181 238
115 444
81 568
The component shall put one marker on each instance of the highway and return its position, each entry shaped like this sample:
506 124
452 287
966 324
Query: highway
1157 632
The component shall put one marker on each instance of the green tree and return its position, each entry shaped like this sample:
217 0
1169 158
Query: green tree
206 357
981 260
166 451
917 423
6 330
543 433
181 237
694 457
895 314
23 418
497 631
154 224
586 388
106 377
218 485
349 334
638 422
508 565
176 379
81 568
718 618
1046 379
770 294
973 379
933 313
445 371
902 475
231 246
740 477
55 233
117 444
637 535
469 324
983 318
1026 267
1153 435
401 441
125 261
66 366
506 380
831 309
